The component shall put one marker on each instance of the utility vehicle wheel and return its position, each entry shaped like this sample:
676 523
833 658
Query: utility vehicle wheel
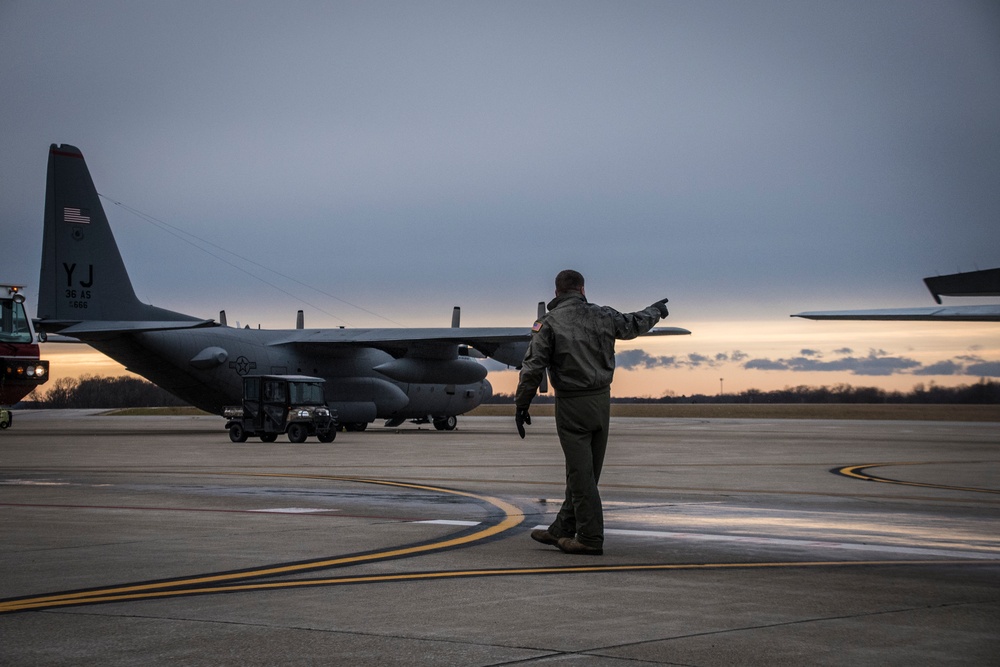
297 433
329 436
237 434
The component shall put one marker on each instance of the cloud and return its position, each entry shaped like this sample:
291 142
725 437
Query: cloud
971 358
633 359
948 367
630 360
877 363
984 369
765 365
700 360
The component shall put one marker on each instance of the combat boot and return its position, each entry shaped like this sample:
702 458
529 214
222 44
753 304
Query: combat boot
569 545
545 537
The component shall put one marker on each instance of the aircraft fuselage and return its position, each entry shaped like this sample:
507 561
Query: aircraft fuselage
206 366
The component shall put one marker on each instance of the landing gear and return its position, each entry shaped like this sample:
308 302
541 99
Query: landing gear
440 423
447 423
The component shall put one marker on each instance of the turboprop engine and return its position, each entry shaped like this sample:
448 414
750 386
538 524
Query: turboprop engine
433 371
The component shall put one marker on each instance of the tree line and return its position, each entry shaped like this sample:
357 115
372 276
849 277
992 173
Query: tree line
131 392
983 392
90 391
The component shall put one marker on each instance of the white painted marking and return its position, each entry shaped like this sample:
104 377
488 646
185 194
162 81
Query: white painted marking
775 541
449 522
295 510
28 482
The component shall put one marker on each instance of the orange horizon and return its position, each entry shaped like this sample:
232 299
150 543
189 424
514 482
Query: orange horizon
920 343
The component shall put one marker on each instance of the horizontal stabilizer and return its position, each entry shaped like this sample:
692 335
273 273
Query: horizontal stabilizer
99 328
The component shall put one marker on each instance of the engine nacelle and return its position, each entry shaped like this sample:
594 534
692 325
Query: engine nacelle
433 371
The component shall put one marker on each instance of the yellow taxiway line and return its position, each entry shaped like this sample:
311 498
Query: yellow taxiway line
857 473
512 516
39 603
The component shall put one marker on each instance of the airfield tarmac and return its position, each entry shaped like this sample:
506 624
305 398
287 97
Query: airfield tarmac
729 542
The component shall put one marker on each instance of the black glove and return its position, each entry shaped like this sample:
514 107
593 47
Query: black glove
662 306
521 417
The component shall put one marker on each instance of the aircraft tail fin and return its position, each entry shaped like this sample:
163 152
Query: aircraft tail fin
83 277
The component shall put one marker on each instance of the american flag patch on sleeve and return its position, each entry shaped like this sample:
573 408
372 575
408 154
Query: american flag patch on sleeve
536 326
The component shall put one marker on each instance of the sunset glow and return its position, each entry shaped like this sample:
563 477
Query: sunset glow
907 354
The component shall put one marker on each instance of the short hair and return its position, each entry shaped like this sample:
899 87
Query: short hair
569 281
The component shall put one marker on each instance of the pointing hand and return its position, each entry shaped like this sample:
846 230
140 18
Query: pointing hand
662 306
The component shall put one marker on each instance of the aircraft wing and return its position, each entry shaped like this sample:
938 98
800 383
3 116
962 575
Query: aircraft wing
395 337
389 336
988 313
667 331
505 344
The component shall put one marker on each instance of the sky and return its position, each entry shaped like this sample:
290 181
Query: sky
377 163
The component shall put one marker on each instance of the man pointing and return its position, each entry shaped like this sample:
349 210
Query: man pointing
575 341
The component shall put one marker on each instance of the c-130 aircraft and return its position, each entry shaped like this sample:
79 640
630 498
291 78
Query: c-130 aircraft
396 374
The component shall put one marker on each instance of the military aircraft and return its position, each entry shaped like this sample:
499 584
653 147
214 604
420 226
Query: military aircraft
397 374
970 283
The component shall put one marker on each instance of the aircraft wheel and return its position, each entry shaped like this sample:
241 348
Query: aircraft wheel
237 433
329 436
297 433
447 424
355 426
268 437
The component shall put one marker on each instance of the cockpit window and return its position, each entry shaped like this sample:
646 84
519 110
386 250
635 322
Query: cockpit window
13 323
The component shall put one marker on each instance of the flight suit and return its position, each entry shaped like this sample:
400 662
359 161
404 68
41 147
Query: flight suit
575 341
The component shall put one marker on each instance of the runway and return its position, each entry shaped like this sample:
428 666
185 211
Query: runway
729 542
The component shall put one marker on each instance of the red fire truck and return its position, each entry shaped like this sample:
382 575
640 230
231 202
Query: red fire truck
20 368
